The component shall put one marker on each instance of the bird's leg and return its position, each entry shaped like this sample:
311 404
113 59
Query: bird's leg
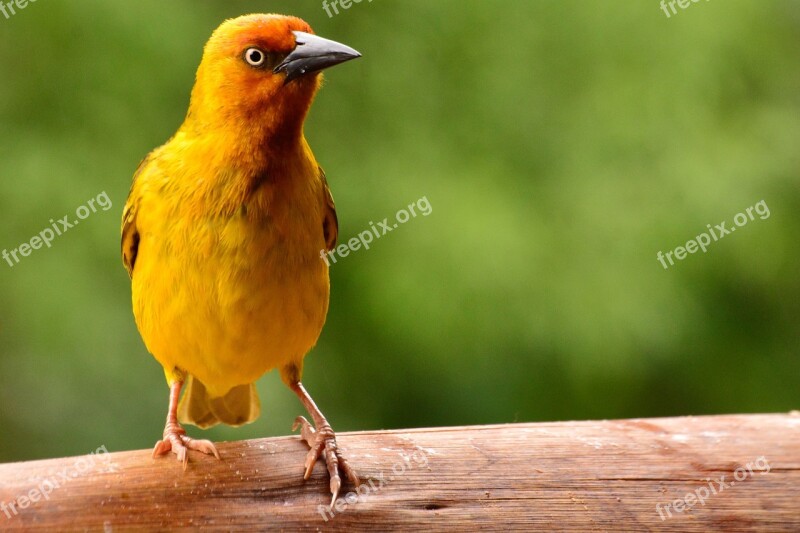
175 438
322 442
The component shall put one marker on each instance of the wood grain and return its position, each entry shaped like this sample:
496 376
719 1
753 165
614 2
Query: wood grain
584 476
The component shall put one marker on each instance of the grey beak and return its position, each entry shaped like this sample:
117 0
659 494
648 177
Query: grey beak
312 54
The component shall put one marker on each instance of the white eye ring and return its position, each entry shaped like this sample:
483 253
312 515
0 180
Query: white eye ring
255 57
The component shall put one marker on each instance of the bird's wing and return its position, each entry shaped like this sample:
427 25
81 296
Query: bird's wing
330 224
130 233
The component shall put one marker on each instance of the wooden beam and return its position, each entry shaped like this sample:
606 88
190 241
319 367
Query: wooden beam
709 473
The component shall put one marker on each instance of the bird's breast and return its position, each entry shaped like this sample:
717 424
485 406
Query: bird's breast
226 297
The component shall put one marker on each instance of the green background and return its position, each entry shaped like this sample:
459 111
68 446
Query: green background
561 145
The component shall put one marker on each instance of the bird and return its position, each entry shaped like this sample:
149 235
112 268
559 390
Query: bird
222 236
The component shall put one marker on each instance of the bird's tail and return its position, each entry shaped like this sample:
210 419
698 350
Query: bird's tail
239 406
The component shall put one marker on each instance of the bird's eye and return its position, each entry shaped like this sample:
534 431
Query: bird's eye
255 57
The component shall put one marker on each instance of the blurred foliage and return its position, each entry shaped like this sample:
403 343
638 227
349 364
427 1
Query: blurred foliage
560 144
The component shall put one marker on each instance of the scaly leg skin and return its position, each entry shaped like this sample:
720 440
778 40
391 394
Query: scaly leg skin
175 438
322 442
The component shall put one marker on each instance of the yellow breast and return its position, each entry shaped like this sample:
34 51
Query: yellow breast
227 295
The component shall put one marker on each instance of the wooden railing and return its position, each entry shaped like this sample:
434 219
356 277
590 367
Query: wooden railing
709 473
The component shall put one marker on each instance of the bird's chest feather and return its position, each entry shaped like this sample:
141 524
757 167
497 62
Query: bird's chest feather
227 296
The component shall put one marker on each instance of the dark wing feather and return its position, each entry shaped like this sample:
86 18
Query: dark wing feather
130 234
330 224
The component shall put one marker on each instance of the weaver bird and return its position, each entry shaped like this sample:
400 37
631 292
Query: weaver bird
222 232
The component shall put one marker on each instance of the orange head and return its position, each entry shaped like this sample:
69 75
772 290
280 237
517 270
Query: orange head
260 73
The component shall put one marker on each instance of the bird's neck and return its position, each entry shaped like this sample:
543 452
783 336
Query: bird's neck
244 162
246 139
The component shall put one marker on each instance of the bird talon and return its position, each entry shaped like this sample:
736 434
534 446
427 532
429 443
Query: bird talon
205 446
335 485
300 421
310 462
335 494
160 448
307 431
183 457
175 439
322 443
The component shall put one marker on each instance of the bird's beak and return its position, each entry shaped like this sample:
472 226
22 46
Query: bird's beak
312 54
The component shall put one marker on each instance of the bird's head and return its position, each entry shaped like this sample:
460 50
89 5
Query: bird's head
262 69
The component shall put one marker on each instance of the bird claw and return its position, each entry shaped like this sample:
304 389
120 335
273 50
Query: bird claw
322 442
175 440
307 431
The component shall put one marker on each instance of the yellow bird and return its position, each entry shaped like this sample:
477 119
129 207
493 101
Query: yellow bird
222 233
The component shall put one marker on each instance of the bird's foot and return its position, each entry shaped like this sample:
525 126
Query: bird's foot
322 442
175 440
